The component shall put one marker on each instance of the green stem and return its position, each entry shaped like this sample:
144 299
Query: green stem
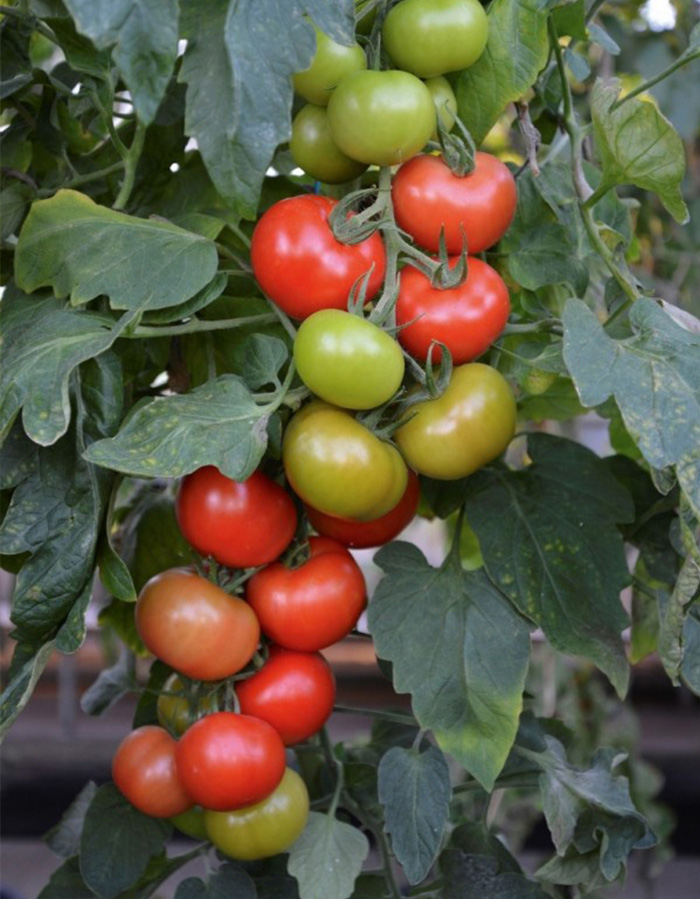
594 9
597 196
686 57
379 835
130 164
85 179
552 326
282 317
197 325
396 717
337 765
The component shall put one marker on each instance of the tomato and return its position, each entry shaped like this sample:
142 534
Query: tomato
193 626
347 360
299 263
445 102
381 118
469 425
431 37
331 62
226 761
428 196
144 770
312 606
191 823
363 534
264 829
313 149
293 691
176 710
241 524
467 318
338 466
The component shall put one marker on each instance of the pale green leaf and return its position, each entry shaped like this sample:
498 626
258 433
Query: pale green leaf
327 858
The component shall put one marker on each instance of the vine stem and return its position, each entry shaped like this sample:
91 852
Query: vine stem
130 163
379 835
682 60
197 325
396 717
85 178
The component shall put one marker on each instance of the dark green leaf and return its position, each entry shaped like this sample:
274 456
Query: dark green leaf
690 664
67 882
672 628
544 255
83 250
159 542
64 838
15 64
559 402
570 18
80 52
477 877
117 843
468 688
119 616
327 858
601 37
263 357
147 706
114 573
111 685
200 300
21 682
414 788
370 886
14 203
227 882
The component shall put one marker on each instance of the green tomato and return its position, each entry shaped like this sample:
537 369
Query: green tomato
314 151
191 823
431 37
339 467
347 360
175 712
264 829
331 62
459 432
381 118
445 102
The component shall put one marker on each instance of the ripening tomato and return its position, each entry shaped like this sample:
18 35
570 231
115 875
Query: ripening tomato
459 432
177 708
310 607
467 318
347 360
145 772
293 691
242 524
364 534
431 37
194 626
428 196
264 829
191 823
301 266
445 102
226 761
330 63
313 149
337 465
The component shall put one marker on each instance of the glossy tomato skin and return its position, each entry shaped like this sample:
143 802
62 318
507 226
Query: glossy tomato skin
330 63
293 691
174 709
381 118
467 318
301 266
144 770
313 606
226 761
445 102
428 196
193 626
264 829
365 534
337 465
241 524
459 432
347 360
313 149
431 37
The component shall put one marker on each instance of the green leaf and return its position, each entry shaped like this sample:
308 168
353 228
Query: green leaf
67 882
217 424
64 838
672 628
147 706
226 882
638 145
21 683
654 376
117 843
263 357
237 67
14 203
85 250
327 858
200 300
111 685
559 402
15 64
690 664
80 52
544 255
114 572
477 877
516 51
468 687
143 36
159 542
414 788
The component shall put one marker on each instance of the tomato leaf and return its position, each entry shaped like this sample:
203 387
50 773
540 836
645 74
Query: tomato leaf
263 357
111 685
639 146
327 858
545 254
468 688
67 882
654 376
477 876
516 51
227 881
200 300
217 424
676 624
64 838
83 250
143 37
414 788
117 843
28 663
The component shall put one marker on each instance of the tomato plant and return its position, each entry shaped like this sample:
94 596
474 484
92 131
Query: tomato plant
177 707
314 150
144 769
444 100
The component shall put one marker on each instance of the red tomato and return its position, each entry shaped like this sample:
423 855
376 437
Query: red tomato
293 691
144 770
363 534
226 761
428 196
312 606
467 319
301 266
194 626
241 524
